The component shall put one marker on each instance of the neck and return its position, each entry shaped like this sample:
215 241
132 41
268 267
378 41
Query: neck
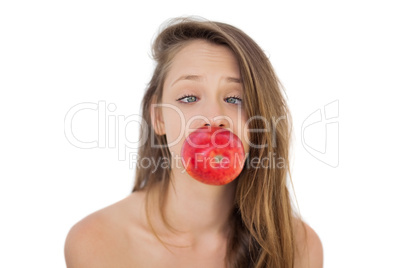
198 210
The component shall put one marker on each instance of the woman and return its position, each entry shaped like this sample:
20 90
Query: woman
207 74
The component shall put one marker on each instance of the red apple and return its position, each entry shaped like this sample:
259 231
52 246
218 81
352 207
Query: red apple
213 155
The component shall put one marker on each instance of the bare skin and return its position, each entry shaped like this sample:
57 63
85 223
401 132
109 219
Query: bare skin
120 236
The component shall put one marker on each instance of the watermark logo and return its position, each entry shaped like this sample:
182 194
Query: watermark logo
320 134
270 161
112 128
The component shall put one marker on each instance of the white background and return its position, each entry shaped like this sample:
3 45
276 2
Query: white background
56 54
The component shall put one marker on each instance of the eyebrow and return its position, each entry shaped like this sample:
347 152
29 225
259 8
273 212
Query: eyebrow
199 78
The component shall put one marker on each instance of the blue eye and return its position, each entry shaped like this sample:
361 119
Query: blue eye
187 99
192 98
233 100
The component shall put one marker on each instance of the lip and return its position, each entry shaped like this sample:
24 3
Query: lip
218 137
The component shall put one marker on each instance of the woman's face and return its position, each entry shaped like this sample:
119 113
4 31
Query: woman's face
203 87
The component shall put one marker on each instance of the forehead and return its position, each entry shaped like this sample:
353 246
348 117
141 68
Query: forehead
200 57
204 48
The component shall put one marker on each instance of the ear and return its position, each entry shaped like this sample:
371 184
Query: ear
156 117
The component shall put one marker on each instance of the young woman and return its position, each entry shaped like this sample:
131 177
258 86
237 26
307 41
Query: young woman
207 74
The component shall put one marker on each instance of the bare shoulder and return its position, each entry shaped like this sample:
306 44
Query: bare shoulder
101 239
85 242
309 249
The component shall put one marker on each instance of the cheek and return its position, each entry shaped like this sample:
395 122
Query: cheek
245 137
174 128
241 130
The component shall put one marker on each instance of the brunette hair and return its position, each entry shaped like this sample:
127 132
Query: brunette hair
262 222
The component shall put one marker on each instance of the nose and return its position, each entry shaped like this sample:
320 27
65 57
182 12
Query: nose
214 115
217 121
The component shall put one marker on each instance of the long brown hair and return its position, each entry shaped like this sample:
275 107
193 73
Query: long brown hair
261 224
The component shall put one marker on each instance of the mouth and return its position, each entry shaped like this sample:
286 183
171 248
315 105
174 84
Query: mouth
213 155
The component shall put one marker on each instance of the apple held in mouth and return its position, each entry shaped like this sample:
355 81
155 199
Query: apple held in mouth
213 155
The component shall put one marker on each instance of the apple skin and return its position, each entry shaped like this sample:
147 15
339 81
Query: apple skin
213 155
